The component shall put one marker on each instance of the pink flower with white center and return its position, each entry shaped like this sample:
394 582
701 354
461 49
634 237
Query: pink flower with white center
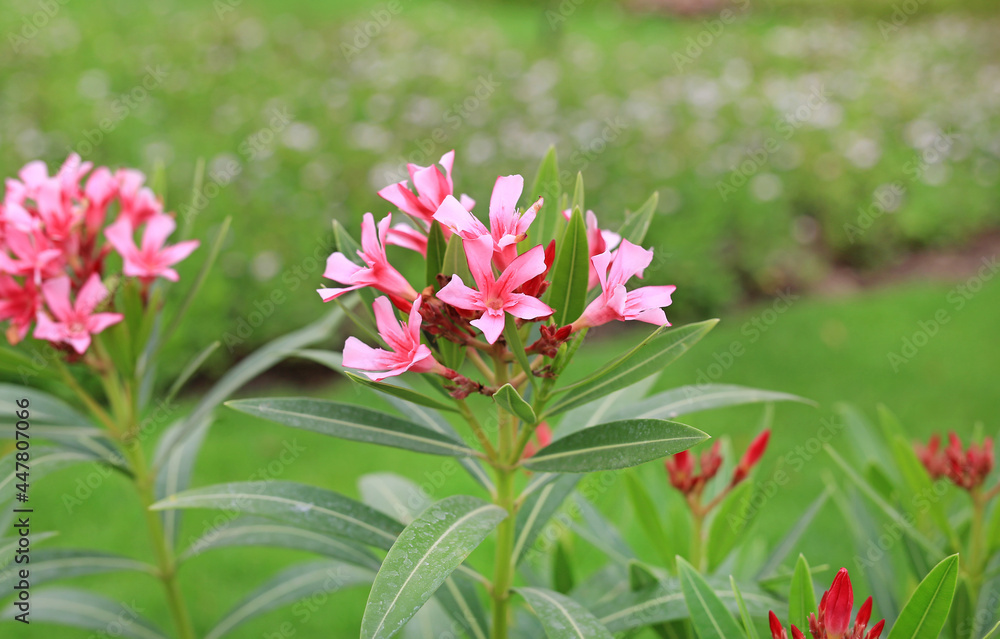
496 296
138 203
403 338
377 272
75 322
432 187
19 304
615 302
34 255
598 241
152 259
507 226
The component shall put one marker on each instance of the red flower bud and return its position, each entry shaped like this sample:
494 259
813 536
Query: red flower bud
876 630
777 630
750 458
838 602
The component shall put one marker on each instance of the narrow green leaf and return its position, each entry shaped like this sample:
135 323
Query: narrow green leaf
792 537
709 616
649 518
81 609
536 511
436 248
516 347
289 586
692 399
17 363
801 596
651 356
578 192
615 445
407 394
174 465
563 579
508 399
562 617
568 292
454 261
549 219
636 224
263 532
349 421
730 523
189 370
640 576
295 504
748 625
596 529
51 564
926 612
425 553
44 460
994 633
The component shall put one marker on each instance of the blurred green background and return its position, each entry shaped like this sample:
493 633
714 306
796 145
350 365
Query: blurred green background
847 152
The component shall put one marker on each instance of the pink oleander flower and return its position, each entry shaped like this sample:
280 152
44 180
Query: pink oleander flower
19 304
138 202
616 302
34 255
377 272
407 353
598 241
834 618
507 226
75 322
152 259
496 296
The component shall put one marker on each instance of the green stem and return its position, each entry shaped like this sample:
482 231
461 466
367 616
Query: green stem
165 561
977 544
697 535
503 573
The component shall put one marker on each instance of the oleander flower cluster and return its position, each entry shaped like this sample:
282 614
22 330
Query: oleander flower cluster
56 234
833 619
504 278
966 468
691 482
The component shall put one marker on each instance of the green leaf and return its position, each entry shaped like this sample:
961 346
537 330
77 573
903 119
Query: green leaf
349 421
455 262
44 409
189 370
52 564
801 596
792 537
44 460
562 617
602 409
549 219
407 394
926 612
264 532
516 347
730 523
649 518
436 248
709 616
596 529
508 399
578 192
563 580
651 356
81 609
636 224
904 523
748 625
995 632
289 586
15 362
174 464
615 445
536 511
692 399
425 553
295 504
567 293
459 598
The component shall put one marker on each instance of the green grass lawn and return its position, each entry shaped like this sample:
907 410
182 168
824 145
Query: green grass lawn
830 350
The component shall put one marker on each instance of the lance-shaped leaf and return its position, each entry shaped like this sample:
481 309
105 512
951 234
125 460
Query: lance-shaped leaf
81 609
603 409
62 563
349 421
436 248
562 617
537 510
264 532
289 586
709 616
189 370
407 394
175 462
650 356
595 528
568 292
745 616
44 409
926 612
792 537
615 445
427 551
508 399
455 261
44 460
801 596
649 518
730 523
546 185
295 504
636 224
516 346
692 399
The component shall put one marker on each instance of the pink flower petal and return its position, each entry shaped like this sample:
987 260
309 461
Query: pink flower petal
92 294
173 254
56 293
479 255
526 266
491 324
100 321
526 306
340 269
455 217
457 294
158 229
503 202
